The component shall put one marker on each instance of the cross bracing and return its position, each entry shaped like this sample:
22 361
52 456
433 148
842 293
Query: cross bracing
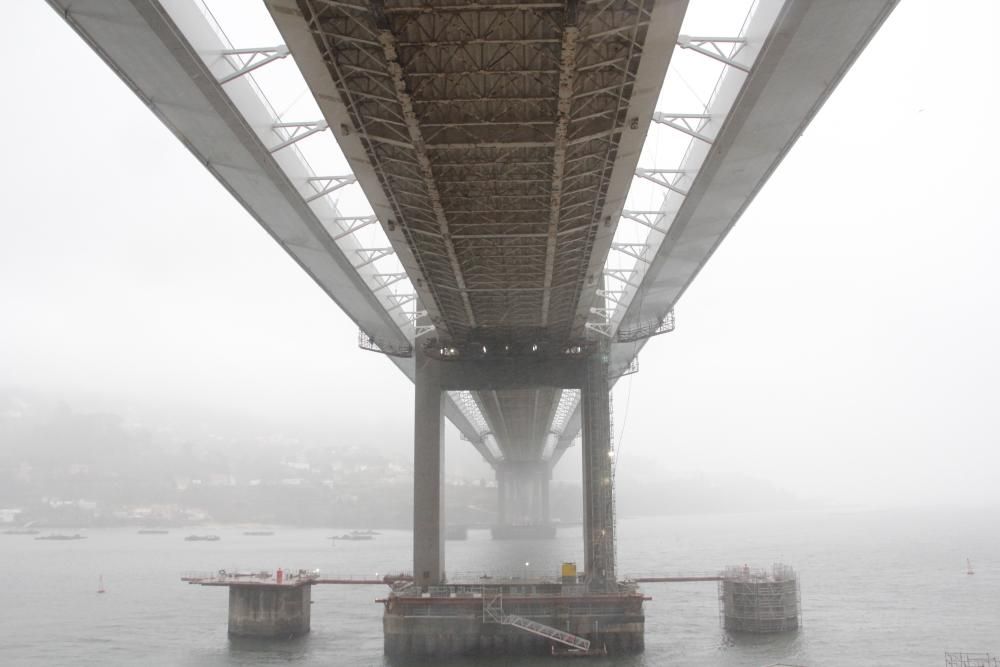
492 130
246 60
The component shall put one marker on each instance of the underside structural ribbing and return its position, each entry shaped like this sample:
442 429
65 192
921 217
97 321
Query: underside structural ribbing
496 143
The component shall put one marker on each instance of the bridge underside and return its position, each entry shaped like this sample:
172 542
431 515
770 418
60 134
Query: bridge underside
496 143
492 140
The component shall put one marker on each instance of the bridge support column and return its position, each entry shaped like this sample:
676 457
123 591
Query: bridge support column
598 491
269 611
428 472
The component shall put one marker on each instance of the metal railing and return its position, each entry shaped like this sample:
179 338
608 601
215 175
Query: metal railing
493 613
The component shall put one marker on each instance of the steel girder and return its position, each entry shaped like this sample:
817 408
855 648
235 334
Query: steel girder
489 134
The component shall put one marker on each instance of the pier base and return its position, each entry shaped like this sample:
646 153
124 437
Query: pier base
450 620
269 611
759 601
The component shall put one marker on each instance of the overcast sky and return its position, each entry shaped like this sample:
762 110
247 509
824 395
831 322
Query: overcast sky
842 343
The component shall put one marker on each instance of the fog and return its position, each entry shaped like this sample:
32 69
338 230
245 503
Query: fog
840 346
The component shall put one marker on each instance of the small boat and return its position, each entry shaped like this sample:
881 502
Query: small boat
100 584
261 533
153 531
202 538
61 537
352 537
968 567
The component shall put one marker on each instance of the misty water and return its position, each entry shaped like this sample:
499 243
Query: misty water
878 588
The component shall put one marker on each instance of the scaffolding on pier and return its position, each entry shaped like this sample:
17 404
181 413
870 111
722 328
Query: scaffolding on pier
493 613
970 660
758 600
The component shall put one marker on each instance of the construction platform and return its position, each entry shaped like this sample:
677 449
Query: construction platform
513 617
265 605
569 615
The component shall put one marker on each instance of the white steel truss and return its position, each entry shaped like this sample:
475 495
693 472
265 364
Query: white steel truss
324 185
665 178
370 255
723 49
247 60
386 280
347 225
691 124
636 251
621 275
651 219
738 54
295 132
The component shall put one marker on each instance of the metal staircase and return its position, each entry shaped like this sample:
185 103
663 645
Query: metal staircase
547 631
493 613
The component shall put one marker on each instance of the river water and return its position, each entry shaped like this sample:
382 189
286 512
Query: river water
878 588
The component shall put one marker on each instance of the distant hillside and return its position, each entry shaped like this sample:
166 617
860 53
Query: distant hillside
64 466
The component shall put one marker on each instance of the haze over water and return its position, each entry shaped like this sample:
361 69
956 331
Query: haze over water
878 588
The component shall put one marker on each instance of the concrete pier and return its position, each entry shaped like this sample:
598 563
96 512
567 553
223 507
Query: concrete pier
273 611
452 620
269 605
